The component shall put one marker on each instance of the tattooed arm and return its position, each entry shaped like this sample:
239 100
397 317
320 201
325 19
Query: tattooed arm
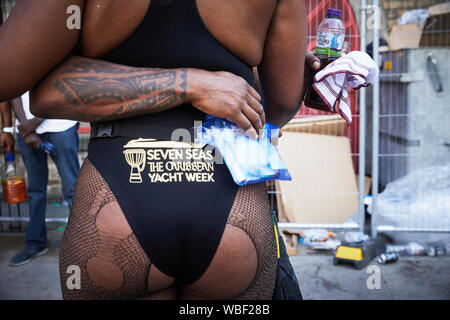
93 90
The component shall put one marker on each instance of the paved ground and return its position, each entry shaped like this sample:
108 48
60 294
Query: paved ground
409 278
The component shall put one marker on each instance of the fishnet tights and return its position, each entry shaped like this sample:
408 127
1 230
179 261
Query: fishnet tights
113 265
84 244
251 213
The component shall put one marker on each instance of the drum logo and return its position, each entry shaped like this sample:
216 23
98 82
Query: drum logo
136 159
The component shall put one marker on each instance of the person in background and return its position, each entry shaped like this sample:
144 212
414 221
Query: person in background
7 141
62 134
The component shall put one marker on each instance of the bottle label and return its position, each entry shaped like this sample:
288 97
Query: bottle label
330 44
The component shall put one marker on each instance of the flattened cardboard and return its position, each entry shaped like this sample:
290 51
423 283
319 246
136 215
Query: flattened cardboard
404 36
323 187
331 125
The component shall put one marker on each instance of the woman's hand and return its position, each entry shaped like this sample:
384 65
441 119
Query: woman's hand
225 95
312 65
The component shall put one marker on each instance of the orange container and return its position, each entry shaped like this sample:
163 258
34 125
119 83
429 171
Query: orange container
14 190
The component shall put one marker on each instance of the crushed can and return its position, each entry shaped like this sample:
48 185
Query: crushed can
387 257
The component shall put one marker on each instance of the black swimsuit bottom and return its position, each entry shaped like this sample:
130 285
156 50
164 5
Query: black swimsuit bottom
176 199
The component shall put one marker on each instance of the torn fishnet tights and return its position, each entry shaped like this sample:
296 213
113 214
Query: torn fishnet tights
113 265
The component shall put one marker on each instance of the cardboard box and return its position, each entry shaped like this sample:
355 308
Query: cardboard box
323 187
291 243
393 9
434 32
331 125
282 217
405 36
327 125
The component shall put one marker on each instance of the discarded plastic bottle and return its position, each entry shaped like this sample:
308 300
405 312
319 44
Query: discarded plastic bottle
436 250
410 249
330 42
13 183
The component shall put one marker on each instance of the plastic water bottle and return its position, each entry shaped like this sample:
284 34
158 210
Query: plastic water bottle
409 249
330 42
330 37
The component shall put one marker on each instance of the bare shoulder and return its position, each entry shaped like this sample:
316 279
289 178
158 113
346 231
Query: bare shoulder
240 25
33 40
108 23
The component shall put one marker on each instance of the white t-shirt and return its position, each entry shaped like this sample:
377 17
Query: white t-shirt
48 125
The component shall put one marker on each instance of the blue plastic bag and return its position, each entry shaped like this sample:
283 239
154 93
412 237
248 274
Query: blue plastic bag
249 161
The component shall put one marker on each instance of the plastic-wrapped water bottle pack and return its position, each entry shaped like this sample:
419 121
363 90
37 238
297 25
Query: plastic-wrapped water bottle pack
249 161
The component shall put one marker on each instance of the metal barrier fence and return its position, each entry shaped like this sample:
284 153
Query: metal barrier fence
411 123
307 204
406 126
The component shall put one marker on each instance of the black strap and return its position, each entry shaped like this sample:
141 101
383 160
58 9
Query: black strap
110 129
102 129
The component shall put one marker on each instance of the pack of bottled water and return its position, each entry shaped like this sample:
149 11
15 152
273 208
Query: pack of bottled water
249 161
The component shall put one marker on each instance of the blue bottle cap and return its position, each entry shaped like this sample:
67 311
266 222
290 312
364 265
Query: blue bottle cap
9 157
334 13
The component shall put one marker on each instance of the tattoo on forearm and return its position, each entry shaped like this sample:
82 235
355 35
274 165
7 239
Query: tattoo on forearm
58 85
144 90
